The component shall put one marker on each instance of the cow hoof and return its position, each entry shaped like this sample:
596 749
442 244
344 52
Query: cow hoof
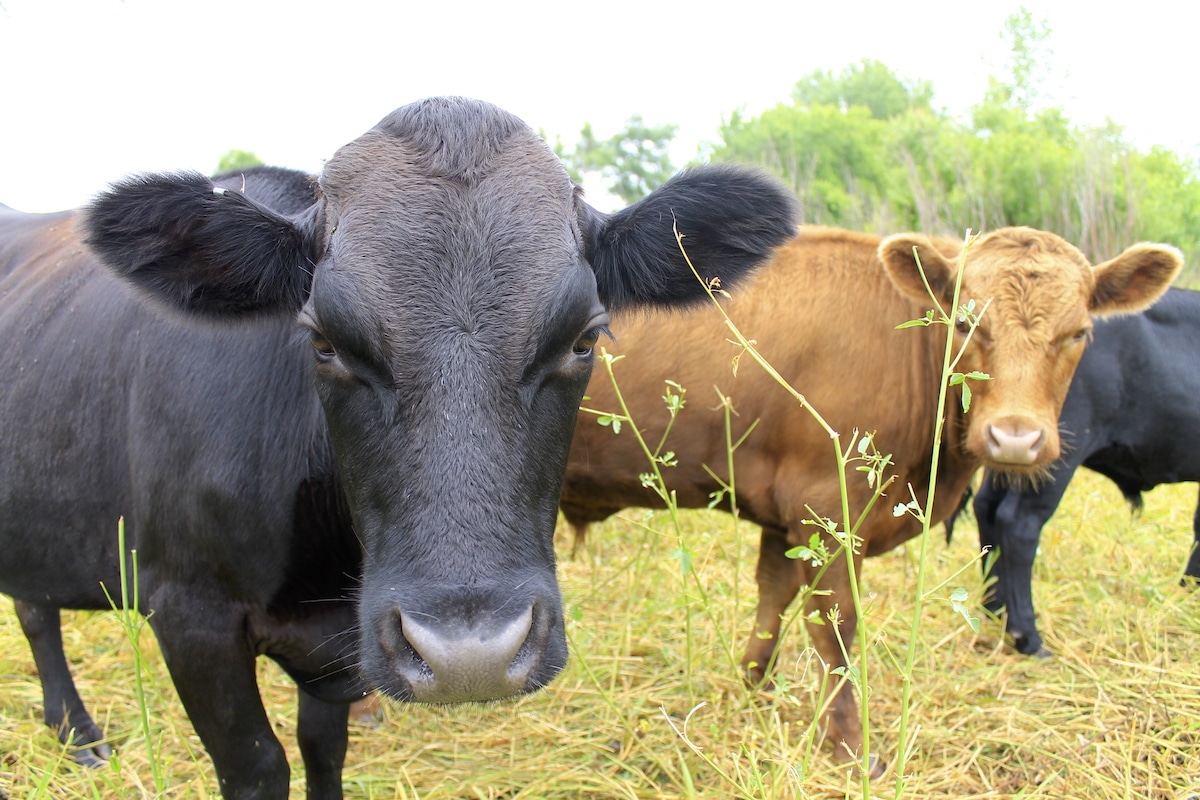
877 767
1028 645
93 756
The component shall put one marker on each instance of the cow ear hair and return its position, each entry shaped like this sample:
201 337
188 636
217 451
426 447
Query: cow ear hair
896 253
1135 279
731 220
198 248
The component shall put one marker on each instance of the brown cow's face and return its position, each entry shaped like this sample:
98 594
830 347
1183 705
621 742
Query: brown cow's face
1040 293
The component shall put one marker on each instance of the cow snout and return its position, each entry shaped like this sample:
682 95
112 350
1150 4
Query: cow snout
1015 443
454 659
478 663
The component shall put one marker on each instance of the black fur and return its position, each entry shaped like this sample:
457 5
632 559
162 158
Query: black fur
198 248
731 219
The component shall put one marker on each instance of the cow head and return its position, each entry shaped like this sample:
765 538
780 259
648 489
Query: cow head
1042 293
451 284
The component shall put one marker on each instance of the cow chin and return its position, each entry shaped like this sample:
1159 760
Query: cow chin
473 649
1028 479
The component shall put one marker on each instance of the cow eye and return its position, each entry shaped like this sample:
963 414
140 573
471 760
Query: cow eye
586 343
1081 335
962 326
321 345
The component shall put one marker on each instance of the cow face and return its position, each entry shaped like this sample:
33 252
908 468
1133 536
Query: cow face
1041 293
450 284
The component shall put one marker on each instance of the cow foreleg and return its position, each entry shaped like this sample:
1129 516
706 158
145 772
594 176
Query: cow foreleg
1193 565
321 731
63 708
211 660
1011 522
778 582
832 621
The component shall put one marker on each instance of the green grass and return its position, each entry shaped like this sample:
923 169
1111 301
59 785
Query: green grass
1116 713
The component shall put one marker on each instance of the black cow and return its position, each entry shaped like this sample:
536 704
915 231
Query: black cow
1132 415
342 443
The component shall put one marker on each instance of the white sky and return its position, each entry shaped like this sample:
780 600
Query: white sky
91 90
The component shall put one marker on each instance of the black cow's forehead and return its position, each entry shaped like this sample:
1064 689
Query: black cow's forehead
426 244
443 139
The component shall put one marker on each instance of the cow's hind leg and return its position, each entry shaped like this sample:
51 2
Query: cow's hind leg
321 731
64 710
211 659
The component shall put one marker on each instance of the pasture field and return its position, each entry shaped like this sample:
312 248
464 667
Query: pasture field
654 652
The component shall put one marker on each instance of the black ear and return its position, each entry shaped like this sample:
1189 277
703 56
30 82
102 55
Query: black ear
731 219
199 248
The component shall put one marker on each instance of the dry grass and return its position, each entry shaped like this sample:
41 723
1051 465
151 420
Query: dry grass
1116 714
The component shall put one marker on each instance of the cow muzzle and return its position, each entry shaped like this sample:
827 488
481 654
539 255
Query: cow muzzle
1015 442
455 658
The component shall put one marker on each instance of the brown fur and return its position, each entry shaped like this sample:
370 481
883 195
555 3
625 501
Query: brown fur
824 314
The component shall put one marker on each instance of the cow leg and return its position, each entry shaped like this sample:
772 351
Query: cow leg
778 583
579 540
834 626
1193 564
1010 521
211 661
321 731
63 708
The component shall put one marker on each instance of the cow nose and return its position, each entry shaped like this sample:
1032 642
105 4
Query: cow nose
478 663
454 658
1014 444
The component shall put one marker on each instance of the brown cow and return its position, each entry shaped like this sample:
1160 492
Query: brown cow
824 313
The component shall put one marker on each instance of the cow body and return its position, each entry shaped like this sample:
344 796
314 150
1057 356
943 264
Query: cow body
336 432
824 314
1131 415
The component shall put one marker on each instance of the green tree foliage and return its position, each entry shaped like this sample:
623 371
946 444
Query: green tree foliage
832 158
635 161
235 160
1026 38
833 144
869 84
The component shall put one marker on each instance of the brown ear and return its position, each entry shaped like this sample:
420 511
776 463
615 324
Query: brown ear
896 253
1135 279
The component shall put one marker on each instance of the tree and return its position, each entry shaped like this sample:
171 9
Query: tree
869 84
834 144
235 160
1029 67
834 159
635 161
